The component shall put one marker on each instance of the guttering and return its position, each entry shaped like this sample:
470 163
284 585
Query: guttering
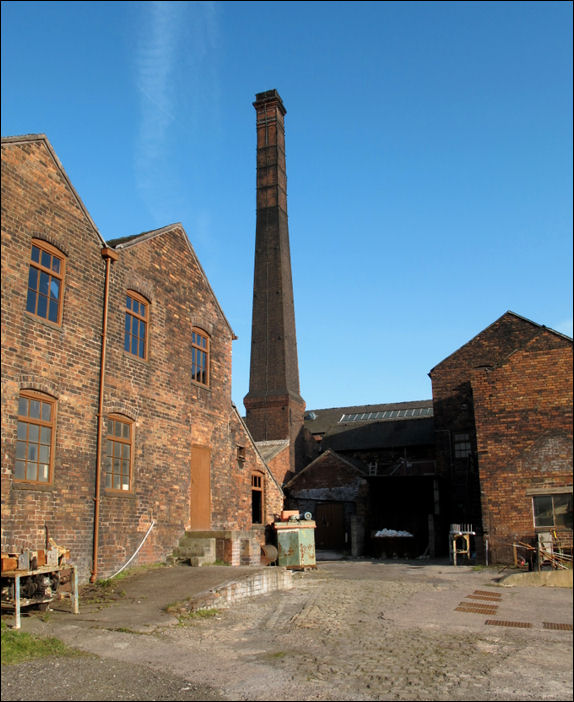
109 256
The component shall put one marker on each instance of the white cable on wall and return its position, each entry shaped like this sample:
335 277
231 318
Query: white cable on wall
136 553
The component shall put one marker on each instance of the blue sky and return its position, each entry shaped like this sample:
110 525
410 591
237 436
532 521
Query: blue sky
429 161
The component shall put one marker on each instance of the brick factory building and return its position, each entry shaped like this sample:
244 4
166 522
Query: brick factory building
503 426
492 448
117 422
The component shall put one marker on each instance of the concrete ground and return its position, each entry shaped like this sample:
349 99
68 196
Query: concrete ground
349 630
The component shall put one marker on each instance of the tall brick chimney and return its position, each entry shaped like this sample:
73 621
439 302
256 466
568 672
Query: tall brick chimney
274 406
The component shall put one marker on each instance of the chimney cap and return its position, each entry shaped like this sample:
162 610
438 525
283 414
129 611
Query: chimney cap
269 96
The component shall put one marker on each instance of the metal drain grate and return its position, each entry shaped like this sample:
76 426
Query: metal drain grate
476 609
557 627
484 598
503 622
495 595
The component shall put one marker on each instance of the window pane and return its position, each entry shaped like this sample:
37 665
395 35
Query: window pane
44 283
141 350
55 289
45 435
31 302
35 254
134 345
43 472
42 306
563 511
23 406
46 411
35 409
22 430
33 433
53 311
116 482
543 510
129 302
33 278
126 431
32 452
44 454
20 470
55 264
46 259
32 471
20 449
108 480
135 324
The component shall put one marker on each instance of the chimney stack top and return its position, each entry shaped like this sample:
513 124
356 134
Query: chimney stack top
269 96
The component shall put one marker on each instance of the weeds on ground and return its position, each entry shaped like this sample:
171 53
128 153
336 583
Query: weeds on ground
187 616
18 646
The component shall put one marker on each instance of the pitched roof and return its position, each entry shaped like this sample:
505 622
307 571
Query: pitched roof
364 427
126 242
354 466
321 421
270 449
536 328
42 138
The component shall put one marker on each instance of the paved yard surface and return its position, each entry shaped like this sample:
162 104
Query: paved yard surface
350 630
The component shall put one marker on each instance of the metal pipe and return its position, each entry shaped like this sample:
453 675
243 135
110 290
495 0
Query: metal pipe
109 256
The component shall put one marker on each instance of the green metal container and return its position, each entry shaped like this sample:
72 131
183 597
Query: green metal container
296 544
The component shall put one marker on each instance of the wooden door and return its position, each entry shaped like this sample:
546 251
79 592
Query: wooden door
330 521
200 491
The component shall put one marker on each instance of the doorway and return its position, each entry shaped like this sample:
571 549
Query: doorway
330 529
200 489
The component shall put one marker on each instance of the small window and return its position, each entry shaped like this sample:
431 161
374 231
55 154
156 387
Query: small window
241 454
35 438
553 511
118 452
462 446
257 498
136 325
199 357
45 282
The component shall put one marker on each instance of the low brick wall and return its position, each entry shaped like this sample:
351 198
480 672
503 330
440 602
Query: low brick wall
259 583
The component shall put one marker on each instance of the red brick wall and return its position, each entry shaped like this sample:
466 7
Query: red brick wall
458 395
523 412
62 361
170 412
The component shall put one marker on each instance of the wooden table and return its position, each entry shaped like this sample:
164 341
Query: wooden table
17 602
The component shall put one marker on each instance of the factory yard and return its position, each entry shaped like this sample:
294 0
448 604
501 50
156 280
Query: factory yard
349 630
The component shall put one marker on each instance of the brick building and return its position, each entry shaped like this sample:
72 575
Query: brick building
380 475
129 331
503 423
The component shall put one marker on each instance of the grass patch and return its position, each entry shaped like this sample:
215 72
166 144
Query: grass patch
276 655
189 617
18 646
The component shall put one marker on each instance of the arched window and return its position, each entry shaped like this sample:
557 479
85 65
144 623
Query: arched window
199 356
45 281
257 494
136 329
35 437
118 453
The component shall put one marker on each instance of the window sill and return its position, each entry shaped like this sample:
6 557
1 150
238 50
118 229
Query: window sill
40 487
138 359
123 494
201 386
55 326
